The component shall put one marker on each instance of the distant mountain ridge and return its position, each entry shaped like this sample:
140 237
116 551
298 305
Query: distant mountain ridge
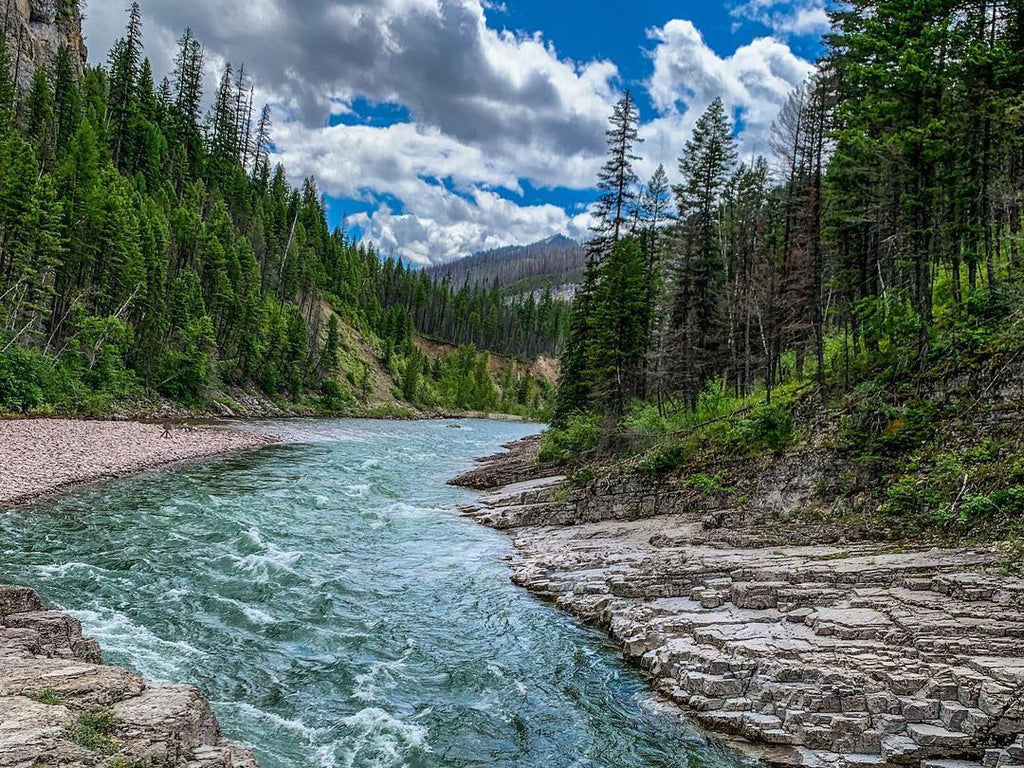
557 261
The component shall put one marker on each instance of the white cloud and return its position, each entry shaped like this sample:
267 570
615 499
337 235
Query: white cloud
786 17
488 109
447 225
753 82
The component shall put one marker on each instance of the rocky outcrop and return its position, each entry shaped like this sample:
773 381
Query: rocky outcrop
812 650
60 706
35 29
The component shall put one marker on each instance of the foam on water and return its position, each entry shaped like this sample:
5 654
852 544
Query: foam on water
329 599
380 740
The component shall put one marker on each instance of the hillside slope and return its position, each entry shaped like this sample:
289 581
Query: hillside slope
556 261
156 263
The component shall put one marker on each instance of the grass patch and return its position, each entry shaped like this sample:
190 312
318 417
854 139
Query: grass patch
47 696
93 731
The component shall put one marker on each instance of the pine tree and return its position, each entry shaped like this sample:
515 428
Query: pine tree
261 149
616 180
653 213
124 71
188 75
694 267
618 347
329 357
39 118
66 99
575 391
224 145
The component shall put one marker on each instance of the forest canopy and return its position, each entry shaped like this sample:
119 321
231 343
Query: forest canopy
882 235
149 248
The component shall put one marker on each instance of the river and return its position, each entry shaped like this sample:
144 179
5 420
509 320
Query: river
337 610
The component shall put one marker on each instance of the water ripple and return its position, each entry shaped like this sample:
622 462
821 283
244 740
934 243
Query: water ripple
339 612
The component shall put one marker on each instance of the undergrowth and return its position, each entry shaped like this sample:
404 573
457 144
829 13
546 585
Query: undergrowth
932 441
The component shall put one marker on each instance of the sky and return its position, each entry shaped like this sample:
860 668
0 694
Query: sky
438 128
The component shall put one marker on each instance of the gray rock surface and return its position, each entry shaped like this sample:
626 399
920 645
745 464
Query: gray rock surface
60 706
812 651
36 29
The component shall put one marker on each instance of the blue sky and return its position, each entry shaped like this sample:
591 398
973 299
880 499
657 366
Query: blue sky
442 127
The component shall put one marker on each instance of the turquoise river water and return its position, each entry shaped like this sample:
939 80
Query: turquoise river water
337 610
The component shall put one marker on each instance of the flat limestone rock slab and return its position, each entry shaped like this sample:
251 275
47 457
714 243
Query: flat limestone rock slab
814 654
50 677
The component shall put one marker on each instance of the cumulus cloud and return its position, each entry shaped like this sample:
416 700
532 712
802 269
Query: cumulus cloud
482 110
753 82
447 225
786 17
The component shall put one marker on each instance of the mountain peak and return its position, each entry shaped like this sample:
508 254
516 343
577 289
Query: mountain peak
558 239
555 260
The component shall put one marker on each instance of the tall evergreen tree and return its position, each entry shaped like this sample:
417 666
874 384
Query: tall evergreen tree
612 214
694 265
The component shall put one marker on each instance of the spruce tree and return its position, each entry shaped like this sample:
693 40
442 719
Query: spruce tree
329 358
617 182
66 99
125 59
617 349
695 269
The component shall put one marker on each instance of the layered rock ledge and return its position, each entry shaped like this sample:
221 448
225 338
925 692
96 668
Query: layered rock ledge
809 650
60 706
43 456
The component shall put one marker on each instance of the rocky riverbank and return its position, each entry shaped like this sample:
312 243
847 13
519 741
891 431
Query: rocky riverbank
43 456
809 649
59 705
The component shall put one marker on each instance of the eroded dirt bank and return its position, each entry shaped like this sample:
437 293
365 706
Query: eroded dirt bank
60 706
43 456
815 651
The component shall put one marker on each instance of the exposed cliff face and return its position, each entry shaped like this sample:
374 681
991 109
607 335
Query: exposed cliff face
59 705
36 29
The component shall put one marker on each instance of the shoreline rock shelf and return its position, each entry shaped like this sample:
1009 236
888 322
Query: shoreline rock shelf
59 705
810 653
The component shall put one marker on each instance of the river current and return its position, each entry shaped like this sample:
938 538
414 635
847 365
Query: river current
337 611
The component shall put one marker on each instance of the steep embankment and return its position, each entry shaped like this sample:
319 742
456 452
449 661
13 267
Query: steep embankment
767 617
542 368
59 705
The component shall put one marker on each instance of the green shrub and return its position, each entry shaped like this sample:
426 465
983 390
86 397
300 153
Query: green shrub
912 501
1010 501
766 427
47 696
874 424
569 444
20 380
93 731
666 459
707 484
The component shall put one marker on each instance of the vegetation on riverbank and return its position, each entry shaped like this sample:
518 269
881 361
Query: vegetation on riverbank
858 293
151 253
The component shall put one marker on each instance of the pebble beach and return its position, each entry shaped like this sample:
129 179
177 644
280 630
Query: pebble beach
42 456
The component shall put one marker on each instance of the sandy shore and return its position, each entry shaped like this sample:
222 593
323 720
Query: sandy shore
43 456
